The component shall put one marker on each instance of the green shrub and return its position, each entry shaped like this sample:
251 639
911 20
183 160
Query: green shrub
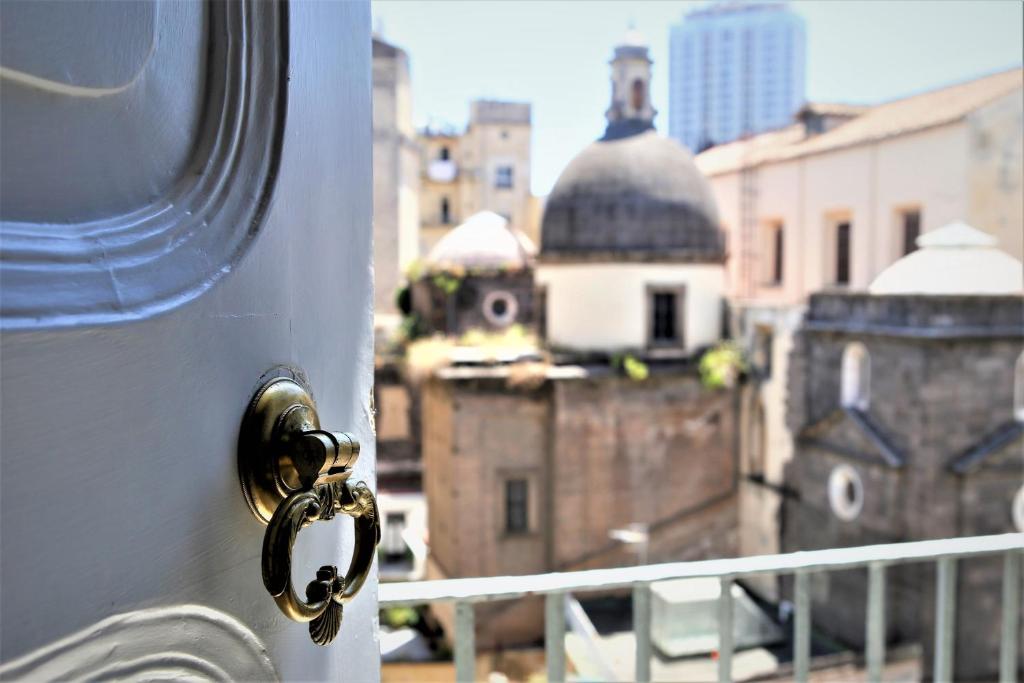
447 283
399 617
631 366
722 366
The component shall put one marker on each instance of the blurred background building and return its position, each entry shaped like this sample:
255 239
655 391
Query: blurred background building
831 201
485 167
396 179
735 69
907 427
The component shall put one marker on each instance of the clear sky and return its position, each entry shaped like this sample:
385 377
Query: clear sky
554 54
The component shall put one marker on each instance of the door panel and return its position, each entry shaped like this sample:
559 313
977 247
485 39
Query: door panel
159 643
118 478
123 196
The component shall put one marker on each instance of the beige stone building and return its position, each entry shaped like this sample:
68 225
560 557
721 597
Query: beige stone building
484 168
531 477
831 201
396 177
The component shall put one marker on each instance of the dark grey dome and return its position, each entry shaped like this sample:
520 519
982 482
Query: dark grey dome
635 197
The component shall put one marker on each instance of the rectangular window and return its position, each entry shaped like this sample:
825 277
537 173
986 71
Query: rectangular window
664 304
911 230
517 502
843 253
394 526
503 177
446 211
777 255
770 264
665 315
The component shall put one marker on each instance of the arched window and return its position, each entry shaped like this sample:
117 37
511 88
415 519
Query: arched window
446 213
639 95
1018 389
445 154
855 390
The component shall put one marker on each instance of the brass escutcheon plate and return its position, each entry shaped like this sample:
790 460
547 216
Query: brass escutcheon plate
281 407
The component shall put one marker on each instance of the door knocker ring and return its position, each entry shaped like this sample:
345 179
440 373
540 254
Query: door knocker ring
294 474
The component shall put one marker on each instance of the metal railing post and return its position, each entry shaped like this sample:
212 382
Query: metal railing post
554 636
1011 617
945 619
875 636
802 627
642 630
725 629
465 643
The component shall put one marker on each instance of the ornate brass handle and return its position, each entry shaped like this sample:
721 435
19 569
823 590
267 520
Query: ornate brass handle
294 474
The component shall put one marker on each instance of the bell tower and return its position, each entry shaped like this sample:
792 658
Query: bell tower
630 111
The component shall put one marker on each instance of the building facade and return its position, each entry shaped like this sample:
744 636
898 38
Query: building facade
486 167
531 474
396 178
735 69
831 201
909 427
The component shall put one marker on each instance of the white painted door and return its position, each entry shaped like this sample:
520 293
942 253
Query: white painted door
185 195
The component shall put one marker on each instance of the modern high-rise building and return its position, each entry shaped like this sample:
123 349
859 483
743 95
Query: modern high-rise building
735 68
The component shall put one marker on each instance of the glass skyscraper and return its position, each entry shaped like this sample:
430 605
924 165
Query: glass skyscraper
735 68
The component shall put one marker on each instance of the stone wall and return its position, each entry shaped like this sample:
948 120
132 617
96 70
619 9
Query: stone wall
599 454
464 311
941 386
659 452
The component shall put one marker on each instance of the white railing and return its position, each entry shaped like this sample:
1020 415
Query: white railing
555 587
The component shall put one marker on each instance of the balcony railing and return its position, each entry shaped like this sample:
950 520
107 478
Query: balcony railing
876 558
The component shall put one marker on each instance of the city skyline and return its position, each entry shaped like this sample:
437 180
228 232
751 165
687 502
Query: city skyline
857 52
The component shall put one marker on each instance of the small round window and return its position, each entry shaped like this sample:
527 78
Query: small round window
500 308
845 493
1017 510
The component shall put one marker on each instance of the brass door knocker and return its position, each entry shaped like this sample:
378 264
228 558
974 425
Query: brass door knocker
293 474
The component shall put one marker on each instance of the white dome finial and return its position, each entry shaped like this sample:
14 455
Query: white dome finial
955 259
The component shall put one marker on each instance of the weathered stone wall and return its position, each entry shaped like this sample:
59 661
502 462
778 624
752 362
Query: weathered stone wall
455 315
941 385
656 452
598 454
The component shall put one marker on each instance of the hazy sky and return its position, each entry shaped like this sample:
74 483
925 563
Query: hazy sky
555 54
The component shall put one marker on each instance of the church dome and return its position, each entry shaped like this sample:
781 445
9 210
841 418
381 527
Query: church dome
632 195
955 259
485 241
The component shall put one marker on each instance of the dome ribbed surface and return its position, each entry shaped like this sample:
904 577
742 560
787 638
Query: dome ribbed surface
485 240
639 196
